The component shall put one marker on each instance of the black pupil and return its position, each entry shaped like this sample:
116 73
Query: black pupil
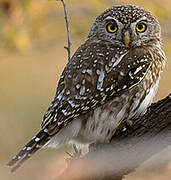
140 26
112 27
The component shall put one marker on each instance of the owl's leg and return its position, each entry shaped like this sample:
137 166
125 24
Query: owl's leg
129 122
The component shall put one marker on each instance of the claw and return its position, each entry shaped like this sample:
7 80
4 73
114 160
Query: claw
77 153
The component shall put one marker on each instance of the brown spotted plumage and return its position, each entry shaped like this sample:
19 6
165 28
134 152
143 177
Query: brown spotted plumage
111 78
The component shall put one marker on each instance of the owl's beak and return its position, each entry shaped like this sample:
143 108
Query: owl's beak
126 38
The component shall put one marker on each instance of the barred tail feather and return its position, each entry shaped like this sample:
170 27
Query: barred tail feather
33 146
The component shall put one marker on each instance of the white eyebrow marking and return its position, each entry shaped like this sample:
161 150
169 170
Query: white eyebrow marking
110 17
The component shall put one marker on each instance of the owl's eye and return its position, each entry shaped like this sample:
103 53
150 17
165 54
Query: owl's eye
111 28
141 27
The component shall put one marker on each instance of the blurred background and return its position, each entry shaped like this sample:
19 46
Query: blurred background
32 37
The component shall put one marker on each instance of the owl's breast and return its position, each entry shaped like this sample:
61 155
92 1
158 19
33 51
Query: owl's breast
100 124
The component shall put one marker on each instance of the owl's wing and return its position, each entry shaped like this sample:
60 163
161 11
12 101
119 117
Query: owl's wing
95 74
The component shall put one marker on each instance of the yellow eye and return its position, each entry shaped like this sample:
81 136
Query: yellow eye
111 28
141 27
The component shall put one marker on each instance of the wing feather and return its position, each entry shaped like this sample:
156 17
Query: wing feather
93 78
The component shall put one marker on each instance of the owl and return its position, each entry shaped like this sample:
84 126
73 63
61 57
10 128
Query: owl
111 78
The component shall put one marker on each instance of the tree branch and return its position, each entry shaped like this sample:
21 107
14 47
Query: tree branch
68 48
129 148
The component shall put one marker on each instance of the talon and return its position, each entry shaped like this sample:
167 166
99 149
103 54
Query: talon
75 149
71 156
77 153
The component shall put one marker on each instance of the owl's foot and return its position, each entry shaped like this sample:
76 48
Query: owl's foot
77 152
76 155
73 156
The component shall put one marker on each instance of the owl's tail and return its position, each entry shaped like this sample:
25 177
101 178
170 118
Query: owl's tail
32 146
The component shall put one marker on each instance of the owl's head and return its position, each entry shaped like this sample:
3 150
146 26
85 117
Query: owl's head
126 26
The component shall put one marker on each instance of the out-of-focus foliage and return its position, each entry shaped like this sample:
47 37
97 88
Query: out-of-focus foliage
32 57
23 21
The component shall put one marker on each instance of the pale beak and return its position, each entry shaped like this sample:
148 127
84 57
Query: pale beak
126 38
